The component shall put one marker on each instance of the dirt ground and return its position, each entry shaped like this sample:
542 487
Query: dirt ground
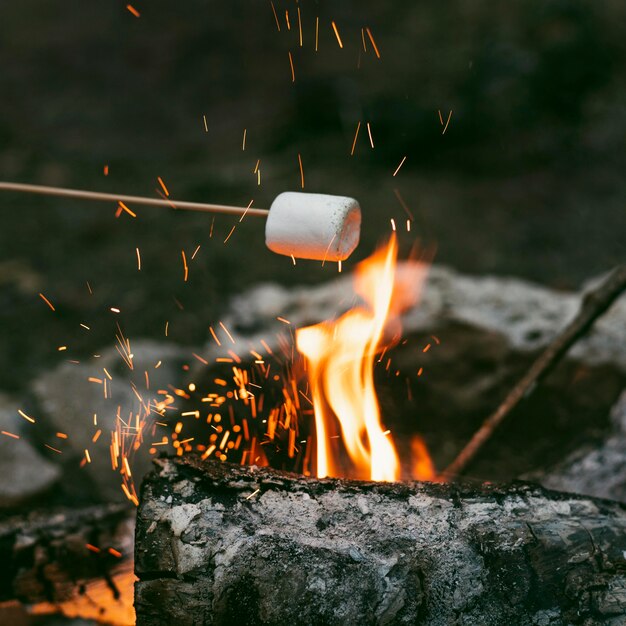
527 178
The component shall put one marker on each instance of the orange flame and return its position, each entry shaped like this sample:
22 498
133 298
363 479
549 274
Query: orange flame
340 357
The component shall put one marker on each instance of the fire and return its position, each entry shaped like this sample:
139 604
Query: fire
341 357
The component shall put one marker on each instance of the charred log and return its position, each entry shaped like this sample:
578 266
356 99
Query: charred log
223 544
50 557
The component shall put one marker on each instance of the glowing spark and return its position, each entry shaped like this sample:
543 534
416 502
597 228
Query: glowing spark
217 341
244 213
138 259
185 266
197 356
133 10
114 310
287 19
300 26
356 134
8 434
293 72
53 449
447 122
26 417
369 132
106 170
426 348
369 34
363 40
275 16
337 35
115 553
123 206
403 204
61 435
293 259
399 166
206 128
339 266
393 224
226 331
167 325
47 301
232 230
85 326
408 226
89 289
301 171
193 256
88 457
243 142
317 31
252 494
62 348
96 436
165 191
283 320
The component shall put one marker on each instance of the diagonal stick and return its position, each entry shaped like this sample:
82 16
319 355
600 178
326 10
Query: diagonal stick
594 304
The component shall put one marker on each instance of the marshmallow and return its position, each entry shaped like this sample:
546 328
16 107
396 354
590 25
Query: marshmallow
313 226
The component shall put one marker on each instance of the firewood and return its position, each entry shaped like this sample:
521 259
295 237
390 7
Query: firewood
49 557
226 544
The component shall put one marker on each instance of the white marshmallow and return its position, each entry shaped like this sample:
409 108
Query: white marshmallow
313 226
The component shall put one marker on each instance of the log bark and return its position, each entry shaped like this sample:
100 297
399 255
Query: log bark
224 544
46 559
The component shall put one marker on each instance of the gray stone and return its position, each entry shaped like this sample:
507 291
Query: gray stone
25 473
527 315
69 402
595 470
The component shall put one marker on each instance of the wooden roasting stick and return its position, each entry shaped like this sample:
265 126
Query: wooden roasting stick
594 304
111 197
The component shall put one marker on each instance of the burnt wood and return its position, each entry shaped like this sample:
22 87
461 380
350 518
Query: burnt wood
45 558
225 544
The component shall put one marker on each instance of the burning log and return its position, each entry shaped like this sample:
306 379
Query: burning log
76 561
224 544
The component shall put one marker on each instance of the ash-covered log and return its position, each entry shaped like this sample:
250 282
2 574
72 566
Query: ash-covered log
224 544
73 561
46 555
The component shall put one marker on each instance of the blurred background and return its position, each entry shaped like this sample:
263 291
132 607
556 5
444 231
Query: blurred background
526 180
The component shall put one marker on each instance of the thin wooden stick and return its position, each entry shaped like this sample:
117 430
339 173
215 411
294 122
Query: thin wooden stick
111 197
594 304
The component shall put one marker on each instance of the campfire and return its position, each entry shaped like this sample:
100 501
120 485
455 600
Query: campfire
341 356
319 421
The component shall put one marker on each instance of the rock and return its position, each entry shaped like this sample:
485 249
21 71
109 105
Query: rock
600 470
69 402
25 473
525 314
